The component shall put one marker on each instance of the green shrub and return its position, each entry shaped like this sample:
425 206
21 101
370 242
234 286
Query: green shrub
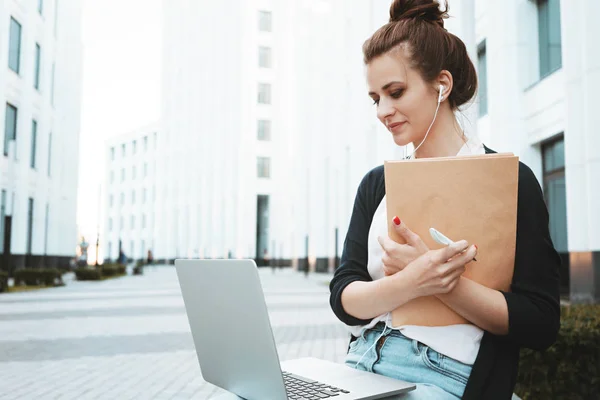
3 281
88 274
570 369
38 276
110 270
122 269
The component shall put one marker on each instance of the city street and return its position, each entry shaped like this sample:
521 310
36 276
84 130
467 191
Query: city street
128 338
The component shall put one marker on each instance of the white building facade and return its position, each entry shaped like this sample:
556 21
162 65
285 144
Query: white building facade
539 68
129 195
40 84
267 128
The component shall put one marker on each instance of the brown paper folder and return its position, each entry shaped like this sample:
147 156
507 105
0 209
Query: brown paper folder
472 198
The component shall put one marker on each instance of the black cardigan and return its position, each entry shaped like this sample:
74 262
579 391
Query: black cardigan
533 301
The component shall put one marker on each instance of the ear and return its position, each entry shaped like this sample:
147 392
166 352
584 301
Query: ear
444 79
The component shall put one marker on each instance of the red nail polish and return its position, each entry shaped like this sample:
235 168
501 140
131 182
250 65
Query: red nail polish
476 248
397 220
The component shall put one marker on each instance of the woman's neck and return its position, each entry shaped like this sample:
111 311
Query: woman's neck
445 138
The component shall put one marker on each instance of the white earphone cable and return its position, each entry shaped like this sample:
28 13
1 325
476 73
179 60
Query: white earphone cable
432 122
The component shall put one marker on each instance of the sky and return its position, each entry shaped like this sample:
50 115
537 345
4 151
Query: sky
121 87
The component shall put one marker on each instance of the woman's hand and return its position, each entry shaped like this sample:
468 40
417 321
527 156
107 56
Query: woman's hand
397 256
439 271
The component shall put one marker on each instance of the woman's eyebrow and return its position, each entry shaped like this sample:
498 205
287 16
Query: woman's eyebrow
386 86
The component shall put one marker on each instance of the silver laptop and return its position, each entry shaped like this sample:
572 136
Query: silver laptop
236 350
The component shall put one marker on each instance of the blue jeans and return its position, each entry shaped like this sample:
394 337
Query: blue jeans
394 355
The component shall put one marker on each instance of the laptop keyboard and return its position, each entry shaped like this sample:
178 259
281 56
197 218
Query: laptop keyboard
301 388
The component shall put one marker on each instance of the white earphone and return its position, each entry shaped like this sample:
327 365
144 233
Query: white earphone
440 97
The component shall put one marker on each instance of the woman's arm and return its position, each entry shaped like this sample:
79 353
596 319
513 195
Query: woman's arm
353 265
435 272
528 315
367 300
480 305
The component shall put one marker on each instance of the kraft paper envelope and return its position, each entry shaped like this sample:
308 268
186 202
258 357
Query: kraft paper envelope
472 198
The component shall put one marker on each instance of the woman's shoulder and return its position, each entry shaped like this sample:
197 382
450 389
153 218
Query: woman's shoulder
372 187
527 179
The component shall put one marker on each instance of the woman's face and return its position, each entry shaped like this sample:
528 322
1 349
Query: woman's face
405 102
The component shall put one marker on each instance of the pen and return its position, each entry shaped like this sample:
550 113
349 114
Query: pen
440 238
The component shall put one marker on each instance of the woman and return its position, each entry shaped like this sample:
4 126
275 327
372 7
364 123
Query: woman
418 75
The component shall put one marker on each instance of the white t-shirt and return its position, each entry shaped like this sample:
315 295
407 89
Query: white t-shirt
460 342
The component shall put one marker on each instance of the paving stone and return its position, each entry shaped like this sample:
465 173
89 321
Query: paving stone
128 338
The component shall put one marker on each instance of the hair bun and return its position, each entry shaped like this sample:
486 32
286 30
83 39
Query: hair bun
426 10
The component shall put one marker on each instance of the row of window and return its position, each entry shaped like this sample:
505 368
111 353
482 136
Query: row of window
10 134
30 219
133 147
14 55
111 200
131 223
133 173
264 94
549 43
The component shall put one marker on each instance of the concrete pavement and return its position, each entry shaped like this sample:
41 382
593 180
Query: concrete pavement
128 338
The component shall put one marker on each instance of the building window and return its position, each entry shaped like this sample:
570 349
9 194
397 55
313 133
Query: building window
41 7
133 172
122 199
121 223
549 36
143 221
110 225
14 46
110 201
145 143
264 57
133 197
46 228
109 250
264 130
264 21
38 61
264 93
30 226
55 17
123 150
2 218
264 167
555 194
132 221
10 127
49 153
482 66
134 147
33 142
112 176
144 194
145 170
112 154
122 174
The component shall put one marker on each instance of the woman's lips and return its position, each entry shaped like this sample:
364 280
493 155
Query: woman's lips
396 126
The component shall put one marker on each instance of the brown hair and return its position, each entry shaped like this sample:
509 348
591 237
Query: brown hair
417 26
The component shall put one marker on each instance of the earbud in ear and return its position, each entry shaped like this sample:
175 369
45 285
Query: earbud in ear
441 95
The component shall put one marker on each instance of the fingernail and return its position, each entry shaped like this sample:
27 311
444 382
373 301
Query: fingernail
397 220
476 248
